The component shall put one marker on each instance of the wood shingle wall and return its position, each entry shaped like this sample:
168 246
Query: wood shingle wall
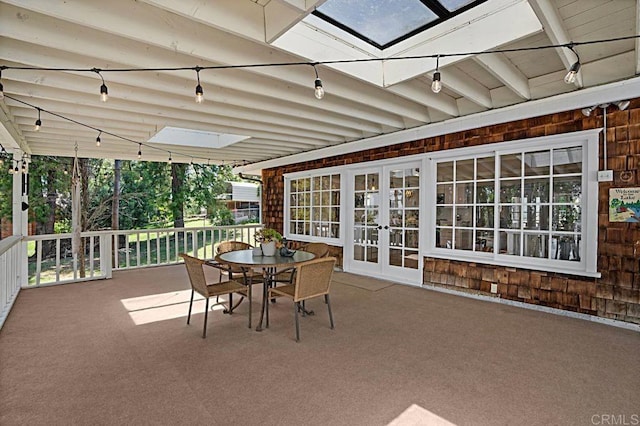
616 295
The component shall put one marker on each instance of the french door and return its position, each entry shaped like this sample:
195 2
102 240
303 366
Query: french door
385 222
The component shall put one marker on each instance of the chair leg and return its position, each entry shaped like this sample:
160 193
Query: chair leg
296 306
326 298
206 313
249 297
266 303
190 304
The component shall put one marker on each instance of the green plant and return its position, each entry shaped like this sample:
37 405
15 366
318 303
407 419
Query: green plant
266 235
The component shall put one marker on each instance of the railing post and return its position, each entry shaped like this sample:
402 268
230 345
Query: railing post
106 248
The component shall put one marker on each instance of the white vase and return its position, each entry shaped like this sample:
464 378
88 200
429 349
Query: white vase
268 249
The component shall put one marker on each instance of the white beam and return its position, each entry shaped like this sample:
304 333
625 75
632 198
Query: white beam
501 68
554 27
461 83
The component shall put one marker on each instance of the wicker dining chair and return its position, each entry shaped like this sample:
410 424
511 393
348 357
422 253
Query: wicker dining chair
199 284
320 250
250 275
312 279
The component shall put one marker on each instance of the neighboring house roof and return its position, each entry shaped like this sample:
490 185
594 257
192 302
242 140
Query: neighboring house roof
242 191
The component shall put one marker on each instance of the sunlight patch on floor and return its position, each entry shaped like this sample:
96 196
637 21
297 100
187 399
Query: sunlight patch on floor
164 306
415 415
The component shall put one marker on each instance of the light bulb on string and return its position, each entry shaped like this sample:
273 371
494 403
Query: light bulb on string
139 151
318 89
572 75
98 140
170 160
199 91
436 84
38 123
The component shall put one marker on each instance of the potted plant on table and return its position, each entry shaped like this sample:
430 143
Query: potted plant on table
269 240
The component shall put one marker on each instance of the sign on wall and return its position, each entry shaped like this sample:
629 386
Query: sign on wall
624 205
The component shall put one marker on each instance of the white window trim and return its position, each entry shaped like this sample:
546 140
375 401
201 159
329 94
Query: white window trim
589 140
287 214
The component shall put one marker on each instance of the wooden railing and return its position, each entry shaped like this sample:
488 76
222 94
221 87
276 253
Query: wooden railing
9 274
105 251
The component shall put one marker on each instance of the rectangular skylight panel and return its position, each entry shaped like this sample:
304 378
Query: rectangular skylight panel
381 21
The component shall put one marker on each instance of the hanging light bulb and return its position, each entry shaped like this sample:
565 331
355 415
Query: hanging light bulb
98 141
139 151
11 168
199 91
104 92
571 76
15 169
318 89
1 87
24 167
436 84
38 124
170 160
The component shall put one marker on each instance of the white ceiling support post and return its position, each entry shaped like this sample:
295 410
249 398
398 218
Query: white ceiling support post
19 217
503 70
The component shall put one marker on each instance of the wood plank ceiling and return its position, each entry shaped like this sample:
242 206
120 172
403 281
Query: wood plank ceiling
273 106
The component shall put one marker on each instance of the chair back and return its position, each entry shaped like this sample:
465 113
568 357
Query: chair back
196 273
313 278
227 246
318 249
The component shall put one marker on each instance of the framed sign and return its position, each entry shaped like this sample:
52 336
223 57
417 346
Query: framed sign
624 205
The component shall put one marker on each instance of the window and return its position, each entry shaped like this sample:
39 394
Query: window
521 204
384 23
314 206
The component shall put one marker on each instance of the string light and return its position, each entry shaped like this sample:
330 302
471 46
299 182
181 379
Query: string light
199 91
24 166
436 85
98 141
36 127
170 160
15 170
104 92
571 76
318 89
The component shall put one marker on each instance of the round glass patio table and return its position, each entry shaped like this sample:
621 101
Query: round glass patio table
247 259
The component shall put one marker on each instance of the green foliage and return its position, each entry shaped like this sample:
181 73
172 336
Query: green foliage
267 234
146 199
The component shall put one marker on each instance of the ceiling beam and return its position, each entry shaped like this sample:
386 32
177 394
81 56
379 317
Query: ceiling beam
501 68
554 27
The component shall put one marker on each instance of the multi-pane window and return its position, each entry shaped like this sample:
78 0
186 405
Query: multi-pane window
540 208
525 204
465 204
314 206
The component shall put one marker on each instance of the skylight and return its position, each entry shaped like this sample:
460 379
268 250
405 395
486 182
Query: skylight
195 138
384 23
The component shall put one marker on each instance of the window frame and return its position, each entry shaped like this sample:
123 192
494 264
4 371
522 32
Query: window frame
316 173
589 142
